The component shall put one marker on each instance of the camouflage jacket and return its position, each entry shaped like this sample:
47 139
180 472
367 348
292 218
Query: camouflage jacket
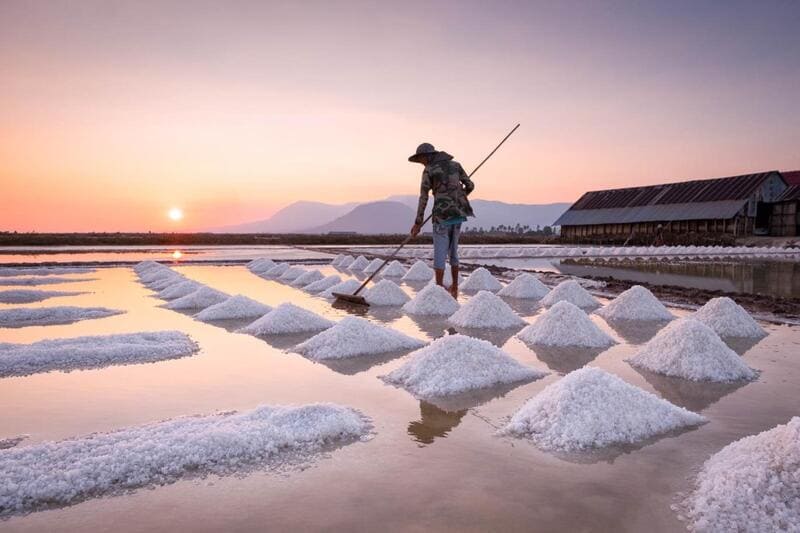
450 186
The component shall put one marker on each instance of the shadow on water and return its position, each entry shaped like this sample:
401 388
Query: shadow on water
286 341
353 365
565 359
385 313
636 332
693 395
230 324
433 326
433 423
523 306
498 337
474 398
416 285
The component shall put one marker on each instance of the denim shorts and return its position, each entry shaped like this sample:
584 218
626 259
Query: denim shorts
445 244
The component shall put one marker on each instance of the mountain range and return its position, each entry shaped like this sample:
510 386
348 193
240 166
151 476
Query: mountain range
392 215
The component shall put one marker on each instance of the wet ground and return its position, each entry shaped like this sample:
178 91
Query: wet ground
431 465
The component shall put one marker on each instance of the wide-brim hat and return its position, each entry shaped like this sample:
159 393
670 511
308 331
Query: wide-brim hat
423 150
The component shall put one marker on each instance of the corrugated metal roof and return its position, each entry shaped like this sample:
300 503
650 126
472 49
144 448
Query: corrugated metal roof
791 177
651 213
792 192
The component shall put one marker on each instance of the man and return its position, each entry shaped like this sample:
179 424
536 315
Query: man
450 186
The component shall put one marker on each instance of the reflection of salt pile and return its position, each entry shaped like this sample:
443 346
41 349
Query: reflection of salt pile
373 266
70 471
287 318
689 349
432 300
591 408
238 306
276 271
262 264
728 319
354 336
18 317
307 278
385 293
485 310
93 352
395 269
565 325
346 261
291 273
525 285
636 303
323 284
348 286
481 280
179 289
571 291
359 264
201 298
751 484
457 363
419 271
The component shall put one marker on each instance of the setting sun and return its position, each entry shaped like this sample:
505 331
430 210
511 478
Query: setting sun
175 214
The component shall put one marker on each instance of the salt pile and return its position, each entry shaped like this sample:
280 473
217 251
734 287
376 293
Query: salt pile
163 283
457 363
93 352
276 271
689 349
337 259
40 281
419 271
307 278
395 269
373 266
359 264
67 472
728 319
45 316
348 286
237 306
26 296
346 261
751 484
432 300
262 264
292 273
43 271
156 274
385 293
590 408
636 303
525 286
287 318
571 291
354 336
199 299
481 280
565 325
486 310
142 266
179 290
323 284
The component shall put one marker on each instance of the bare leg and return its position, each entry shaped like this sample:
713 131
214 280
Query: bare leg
454 286
439 276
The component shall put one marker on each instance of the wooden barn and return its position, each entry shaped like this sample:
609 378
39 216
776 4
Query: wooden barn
785 215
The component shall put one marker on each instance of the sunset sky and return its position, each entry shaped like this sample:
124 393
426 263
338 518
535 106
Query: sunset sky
112 113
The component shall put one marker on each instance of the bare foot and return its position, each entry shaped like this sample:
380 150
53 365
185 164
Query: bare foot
454 291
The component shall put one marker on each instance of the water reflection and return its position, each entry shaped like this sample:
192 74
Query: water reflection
636 332
742 345
565 359
351 366
433 423
432 326
285 341
693 395
523 306
498 337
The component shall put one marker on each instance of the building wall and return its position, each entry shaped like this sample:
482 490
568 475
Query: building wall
785 219
735 226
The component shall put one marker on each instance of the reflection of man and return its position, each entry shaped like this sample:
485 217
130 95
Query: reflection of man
659 240
433 422
451 186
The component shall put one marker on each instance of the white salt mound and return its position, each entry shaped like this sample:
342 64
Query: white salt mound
373 266
565 325
395 269
337 259
385 293
26 296
590 408
481 280
571 291
323 284
457 363
728 319
525 286
359 264
237 306
292 273
752 484
346 261
179 289
432 300
636 303
486 310
40 281
306 279
348 286
261 264
93 352
161 284
689 349
143 266
287 318
45 316
276 271
199 299
419 271
67 472
354 336
156 274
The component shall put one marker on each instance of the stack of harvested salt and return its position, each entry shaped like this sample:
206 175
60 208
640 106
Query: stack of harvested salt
144 266
163 283
457 363
636 303
358 264
354 336
307 278
237 306
565 325
179 289
287 318
751 484
346 261
590 408
323 284
571 291
199 299
292 273
336 260
432 300
348 286
689 349
156 273
419 271
395 269
374 265
276 271
385 293
262 264
728 319
525 285
485 310
481 280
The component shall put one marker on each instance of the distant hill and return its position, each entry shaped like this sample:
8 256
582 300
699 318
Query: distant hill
373 217
294 218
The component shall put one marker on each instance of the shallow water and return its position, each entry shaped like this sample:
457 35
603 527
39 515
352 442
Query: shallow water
432 466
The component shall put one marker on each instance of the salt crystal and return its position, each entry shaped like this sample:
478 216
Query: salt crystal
526 286
728 319
486 310
481 280
359 264
322 284
565 325
237 306
571 291
307 278
395 269
199 299
432 300
287 318
636 303
385 293
354 336
419 271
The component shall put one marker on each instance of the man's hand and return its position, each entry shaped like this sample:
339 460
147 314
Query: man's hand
415 230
